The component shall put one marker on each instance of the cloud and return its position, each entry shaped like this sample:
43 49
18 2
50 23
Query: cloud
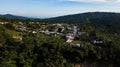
118 0
85 0
113 0
93 1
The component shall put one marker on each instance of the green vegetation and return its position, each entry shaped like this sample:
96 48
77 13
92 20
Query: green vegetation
110 20
23 48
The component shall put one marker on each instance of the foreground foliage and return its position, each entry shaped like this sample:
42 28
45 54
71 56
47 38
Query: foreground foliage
39 50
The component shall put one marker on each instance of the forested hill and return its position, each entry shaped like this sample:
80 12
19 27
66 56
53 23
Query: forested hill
10 16
98 17
108 19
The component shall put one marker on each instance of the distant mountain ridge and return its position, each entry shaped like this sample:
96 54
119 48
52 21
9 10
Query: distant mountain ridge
73 18
10 16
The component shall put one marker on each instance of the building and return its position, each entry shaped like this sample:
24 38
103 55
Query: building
69 37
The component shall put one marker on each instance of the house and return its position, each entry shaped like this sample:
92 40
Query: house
3 23
97 40
34 32
69 30
47 32
18 38
59 25
76 45
21 27
75 31
69 37
60 30
81 33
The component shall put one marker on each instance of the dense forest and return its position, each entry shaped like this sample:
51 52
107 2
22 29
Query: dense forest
40 50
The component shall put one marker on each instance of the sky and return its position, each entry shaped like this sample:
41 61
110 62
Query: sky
53 8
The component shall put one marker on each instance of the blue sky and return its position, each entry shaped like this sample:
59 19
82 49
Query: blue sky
53 8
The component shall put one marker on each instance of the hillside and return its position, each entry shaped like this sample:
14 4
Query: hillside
111 20
10 16
103 17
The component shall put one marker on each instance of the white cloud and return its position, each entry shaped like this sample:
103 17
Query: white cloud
118 0
113 0
85 0
90 1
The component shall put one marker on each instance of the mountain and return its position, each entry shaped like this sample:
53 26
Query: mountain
10 16
109 19
85 17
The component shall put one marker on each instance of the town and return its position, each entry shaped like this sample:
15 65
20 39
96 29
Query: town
73 44
59 33
71 34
